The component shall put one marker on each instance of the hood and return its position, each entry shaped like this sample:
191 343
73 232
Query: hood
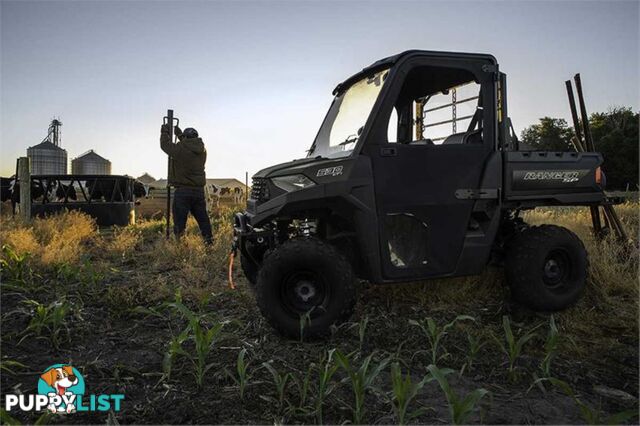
292 167
194 145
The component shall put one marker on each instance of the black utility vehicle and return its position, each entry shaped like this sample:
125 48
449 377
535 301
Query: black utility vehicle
415 173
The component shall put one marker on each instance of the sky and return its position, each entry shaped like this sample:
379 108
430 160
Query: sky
255 78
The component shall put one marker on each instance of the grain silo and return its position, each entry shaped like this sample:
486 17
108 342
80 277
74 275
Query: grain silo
47 158
90 163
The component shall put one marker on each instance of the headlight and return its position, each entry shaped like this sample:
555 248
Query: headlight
292 183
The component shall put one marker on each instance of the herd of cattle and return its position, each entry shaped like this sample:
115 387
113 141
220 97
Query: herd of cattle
214 193
54 190
105 189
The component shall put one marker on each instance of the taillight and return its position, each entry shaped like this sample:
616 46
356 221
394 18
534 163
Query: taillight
598 175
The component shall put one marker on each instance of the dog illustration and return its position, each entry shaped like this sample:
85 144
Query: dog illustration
60 379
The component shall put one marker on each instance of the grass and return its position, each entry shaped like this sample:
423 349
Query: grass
162 309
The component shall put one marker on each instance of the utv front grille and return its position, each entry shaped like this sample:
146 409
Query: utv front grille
259 189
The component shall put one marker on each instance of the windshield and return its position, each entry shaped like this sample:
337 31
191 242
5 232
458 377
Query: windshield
347 116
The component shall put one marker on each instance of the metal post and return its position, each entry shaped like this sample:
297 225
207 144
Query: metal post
454 112
574 117
246 186
24 177
170 125
585 117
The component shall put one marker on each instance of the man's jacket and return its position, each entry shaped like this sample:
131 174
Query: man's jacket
187 161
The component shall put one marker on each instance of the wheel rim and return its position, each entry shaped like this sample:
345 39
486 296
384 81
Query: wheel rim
557 268
303 292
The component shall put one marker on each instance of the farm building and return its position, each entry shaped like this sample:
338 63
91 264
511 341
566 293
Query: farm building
146 179
230 183
90 163
47 159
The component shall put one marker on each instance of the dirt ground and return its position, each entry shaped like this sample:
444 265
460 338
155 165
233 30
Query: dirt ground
121 321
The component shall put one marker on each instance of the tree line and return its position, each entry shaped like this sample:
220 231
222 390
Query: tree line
615 136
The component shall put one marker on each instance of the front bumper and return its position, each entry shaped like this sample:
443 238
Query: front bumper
250 241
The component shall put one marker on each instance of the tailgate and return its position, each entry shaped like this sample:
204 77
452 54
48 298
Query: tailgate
556 177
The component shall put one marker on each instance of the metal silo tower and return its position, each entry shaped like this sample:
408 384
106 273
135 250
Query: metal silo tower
90 163
47 158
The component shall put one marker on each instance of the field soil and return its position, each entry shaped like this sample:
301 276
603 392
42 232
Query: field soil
124 290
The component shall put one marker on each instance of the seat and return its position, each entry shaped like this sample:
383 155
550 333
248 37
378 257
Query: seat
456 138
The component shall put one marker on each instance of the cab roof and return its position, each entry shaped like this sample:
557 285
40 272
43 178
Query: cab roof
391 60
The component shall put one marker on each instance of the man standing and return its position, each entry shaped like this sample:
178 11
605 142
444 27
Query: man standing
186 174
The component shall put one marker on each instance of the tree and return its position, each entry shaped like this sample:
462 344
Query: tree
615 136
551 134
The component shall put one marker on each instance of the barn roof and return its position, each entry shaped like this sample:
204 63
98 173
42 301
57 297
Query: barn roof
146 179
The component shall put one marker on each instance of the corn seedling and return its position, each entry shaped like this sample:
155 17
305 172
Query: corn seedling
303 386
404 391
280 381
67 272
362 330
204 339
590 415
174 349
475 344
50 318
513 347
550 348
361 380
14 266
435 334
6 419
459 407
8 365
304 322
241 378
327 368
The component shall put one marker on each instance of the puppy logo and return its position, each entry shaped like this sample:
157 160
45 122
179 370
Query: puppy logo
62 384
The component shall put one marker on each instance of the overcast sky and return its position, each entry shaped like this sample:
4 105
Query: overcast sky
255 78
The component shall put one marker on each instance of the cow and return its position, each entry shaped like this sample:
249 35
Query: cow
37 191
140 189
212 195
63 192
5 188
238 195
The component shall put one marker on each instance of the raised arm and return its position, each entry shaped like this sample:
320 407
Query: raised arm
165 141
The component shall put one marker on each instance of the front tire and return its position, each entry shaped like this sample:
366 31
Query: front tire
546 267
306 276
250 269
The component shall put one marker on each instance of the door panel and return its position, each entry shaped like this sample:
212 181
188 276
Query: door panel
422 223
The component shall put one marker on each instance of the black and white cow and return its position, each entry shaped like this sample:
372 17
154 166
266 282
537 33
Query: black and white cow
103 189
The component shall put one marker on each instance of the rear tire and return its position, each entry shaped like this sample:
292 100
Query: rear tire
306 275
546 267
